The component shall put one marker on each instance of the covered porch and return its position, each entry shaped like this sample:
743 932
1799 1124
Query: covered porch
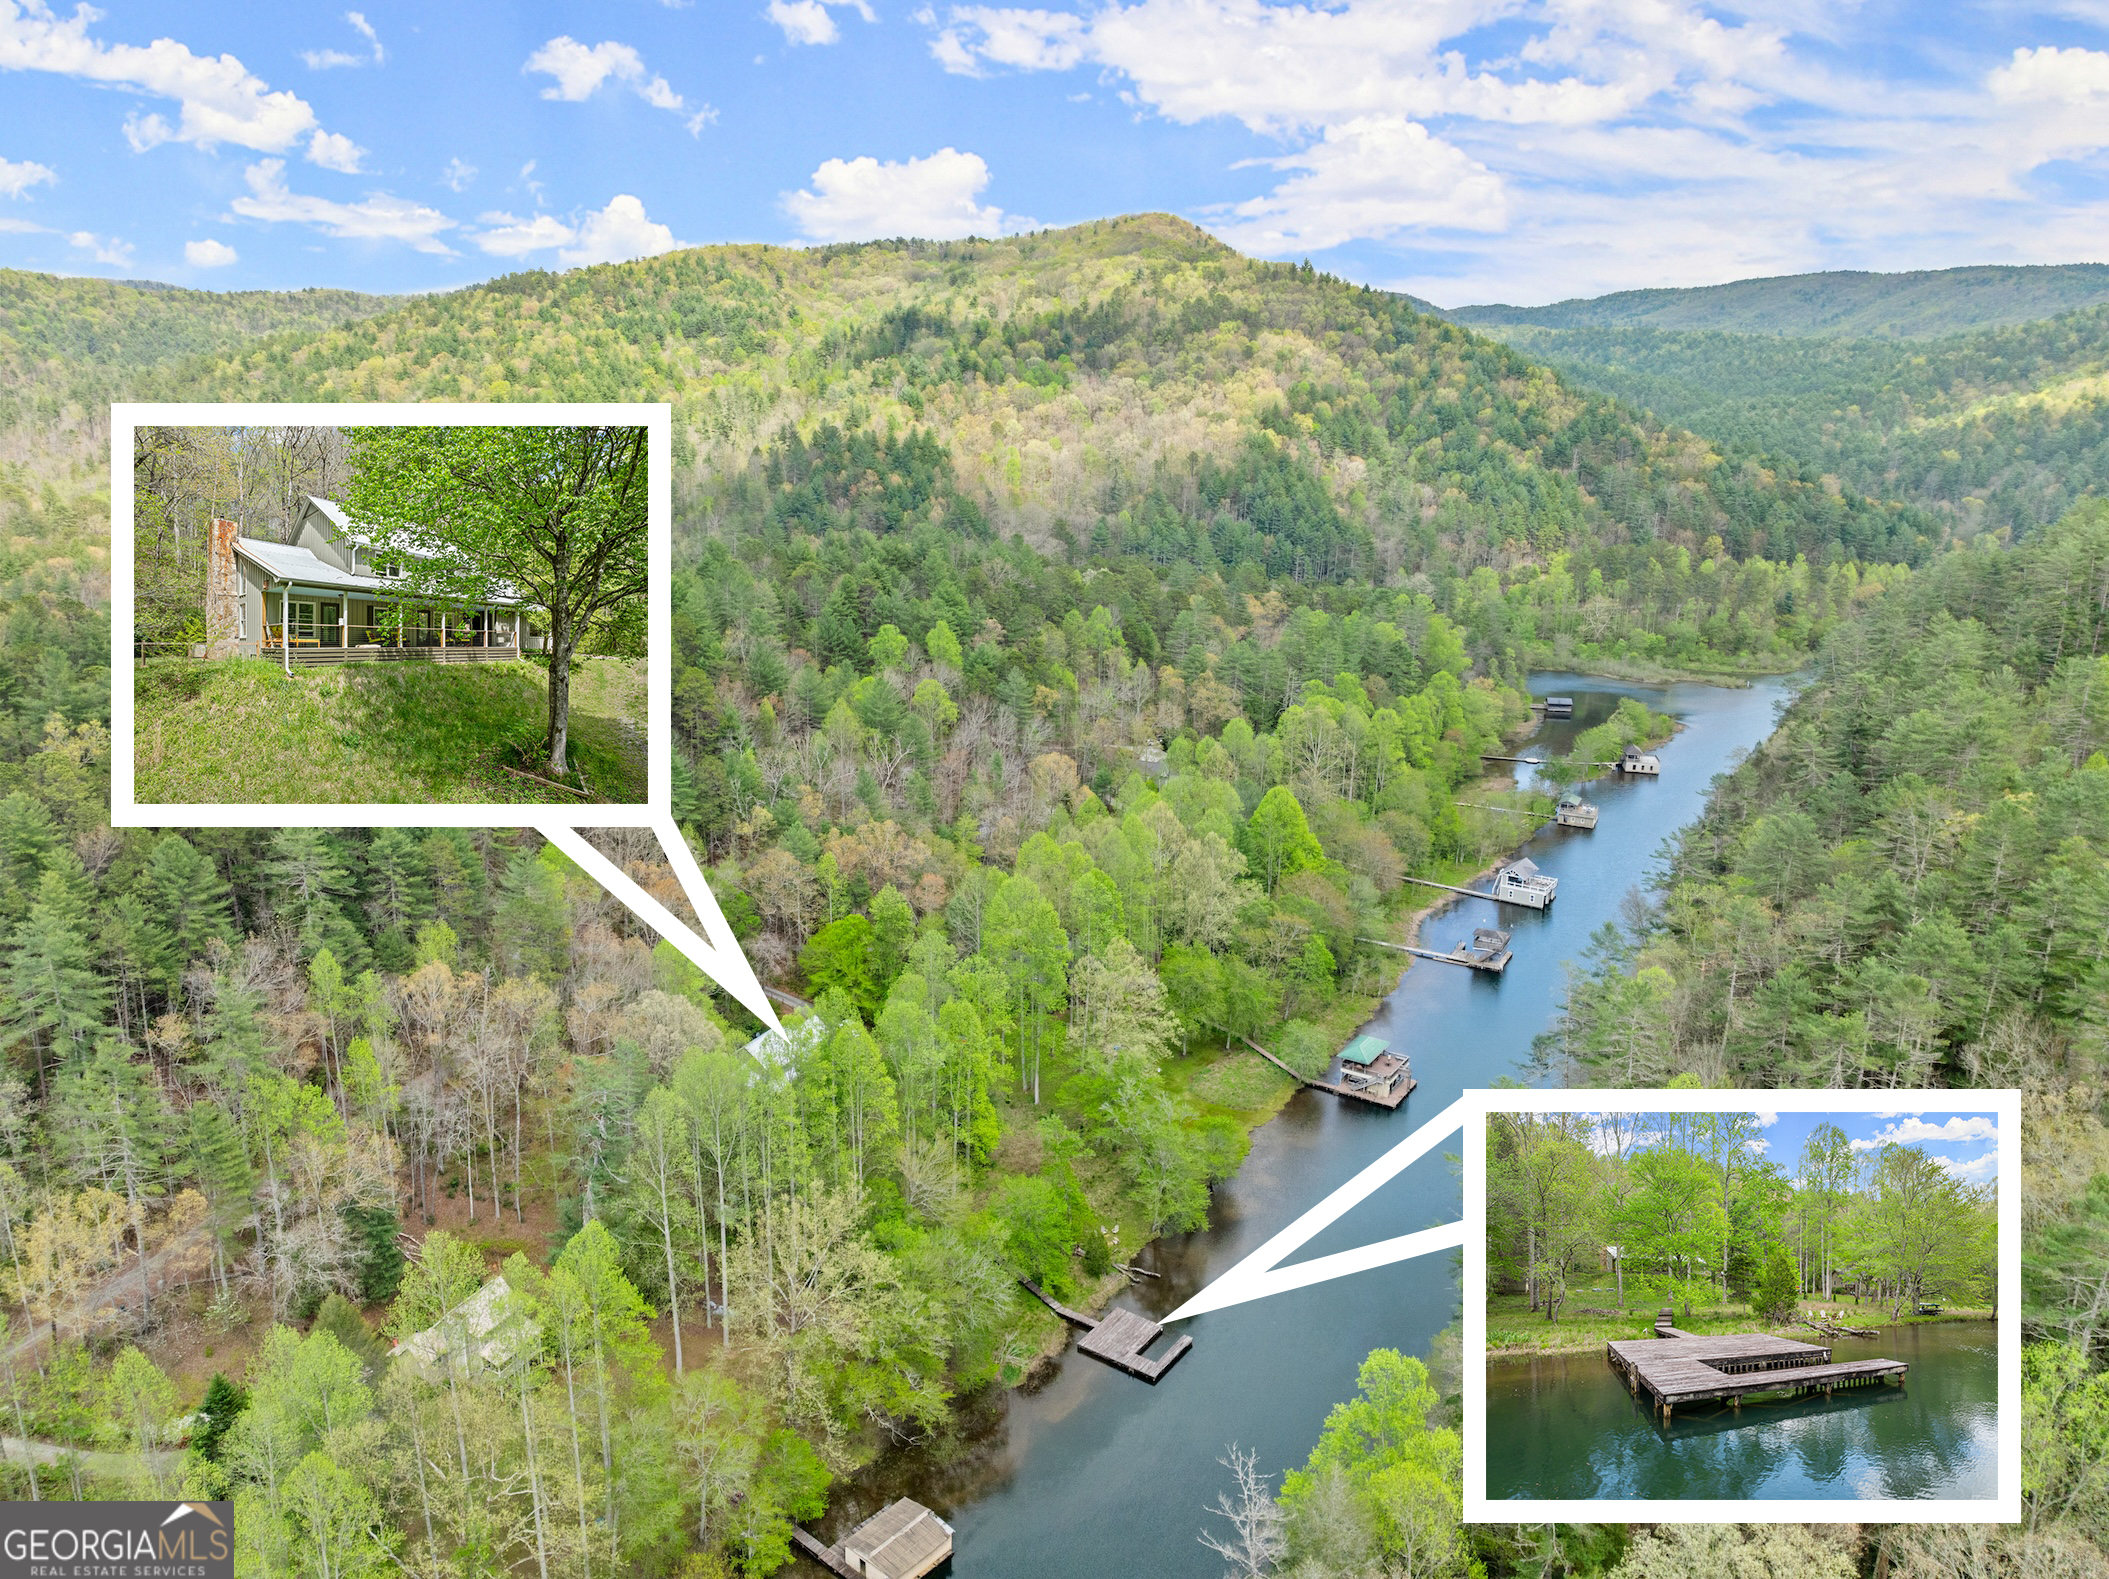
318 625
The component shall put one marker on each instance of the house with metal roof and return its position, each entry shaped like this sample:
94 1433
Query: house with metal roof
332 595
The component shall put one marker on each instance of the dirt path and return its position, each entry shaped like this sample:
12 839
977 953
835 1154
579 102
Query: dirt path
28 1450
114 1293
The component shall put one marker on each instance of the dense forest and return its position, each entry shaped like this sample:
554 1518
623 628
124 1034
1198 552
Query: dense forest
2000 430
1904 886
1698 1211
1078 638
1918 304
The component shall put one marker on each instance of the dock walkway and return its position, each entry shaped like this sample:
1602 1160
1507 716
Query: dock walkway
1677 1371
1119 1339
1390 1100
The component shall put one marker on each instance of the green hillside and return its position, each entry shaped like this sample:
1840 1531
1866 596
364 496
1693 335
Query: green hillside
2001 428
1921 304
80 342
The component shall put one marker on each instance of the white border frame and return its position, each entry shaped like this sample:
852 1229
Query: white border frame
657 417
2004 1508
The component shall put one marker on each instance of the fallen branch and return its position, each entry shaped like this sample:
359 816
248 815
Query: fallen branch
1830 1331
537 778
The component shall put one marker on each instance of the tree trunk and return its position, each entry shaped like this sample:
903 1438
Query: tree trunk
561 640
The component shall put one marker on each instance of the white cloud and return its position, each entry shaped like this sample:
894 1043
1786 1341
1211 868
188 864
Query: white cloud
209 254
1371 177
1913 1130
1767 1120
618 233
334 151
220 99
512 237
457 176
615 234
578 71
1976 1170
18 176
858 199
811 21
379 217
1757 1144
330 59
1605 143
106 249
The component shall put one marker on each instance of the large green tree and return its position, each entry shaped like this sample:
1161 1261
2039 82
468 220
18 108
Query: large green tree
558 515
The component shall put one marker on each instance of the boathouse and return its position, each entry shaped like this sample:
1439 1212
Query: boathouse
1574 812
1521 883
903 1540
1559 707
1645 764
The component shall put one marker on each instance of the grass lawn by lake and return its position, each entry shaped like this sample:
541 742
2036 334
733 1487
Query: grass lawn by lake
241 731
1513 1328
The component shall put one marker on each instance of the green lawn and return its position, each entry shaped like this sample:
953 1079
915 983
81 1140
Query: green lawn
1513 1328
241 731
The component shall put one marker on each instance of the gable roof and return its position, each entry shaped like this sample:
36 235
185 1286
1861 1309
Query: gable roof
284 562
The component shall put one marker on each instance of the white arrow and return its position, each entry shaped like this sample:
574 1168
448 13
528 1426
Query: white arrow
1261 1273
718 956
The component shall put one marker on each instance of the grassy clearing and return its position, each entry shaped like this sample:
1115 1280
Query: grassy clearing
242 731
1514 1330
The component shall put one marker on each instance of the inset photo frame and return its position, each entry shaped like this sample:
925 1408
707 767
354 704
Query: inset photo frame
391 614
1742 1306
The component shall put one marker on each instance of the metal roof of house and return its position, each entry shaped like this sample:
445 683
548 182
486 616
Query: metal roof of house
1364 1049
284 562
344 523
1525 867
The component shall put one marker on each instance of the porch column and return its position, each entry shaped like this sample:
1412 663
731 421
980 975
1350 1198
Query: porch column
442 634
285 624
344 623
486 629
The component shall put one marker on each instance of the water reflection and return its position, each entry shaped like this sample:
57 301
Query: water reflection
1565 1426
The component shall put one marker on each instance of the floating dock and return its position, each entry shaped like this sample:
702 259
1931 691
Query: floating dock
1119 1338
1674 1372
1559 707
1638 763
903 1540
1574 812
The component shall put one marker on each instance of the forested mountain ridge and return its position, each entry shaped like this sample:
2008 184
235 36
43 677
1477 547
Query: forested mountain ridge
2000 429
1920 304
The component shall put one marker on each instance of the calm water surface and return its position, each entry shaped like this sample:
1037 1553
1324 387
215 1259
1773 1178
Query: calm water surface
1091 1472
1565 1426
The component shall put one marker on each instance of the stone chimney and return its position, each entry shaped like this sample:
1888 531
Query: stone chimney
223 592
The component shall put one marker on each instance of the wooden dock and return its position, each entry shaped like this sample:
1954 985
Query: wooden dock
1492 961
1119 1338
1384 1068
1678 1371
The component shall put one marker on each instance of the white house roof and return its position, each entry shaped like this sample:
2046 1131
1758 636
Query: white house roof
1526 867
284 562
344 524
474 1332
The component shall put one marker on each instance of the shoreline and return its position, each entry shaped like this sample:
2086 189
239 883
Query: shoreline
1578 1342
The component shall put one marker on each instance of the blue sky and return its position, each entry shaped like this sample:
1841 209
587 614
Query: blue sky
1967 1144
1465 150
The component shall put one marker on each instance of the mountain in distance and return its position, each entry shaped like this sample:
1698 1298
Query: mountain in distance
1119 386
1920 304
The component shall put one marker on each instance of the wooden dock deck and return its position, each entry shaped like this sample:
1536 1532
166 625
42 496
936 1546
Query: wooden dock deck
1493 962
1119 1338
1681 1370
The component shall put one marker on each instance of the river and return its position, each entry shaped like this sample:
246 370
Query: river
1564 1425
1089 1472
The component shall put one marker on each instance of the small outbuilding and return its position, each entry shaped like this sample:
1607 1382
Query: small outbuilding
1645 764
